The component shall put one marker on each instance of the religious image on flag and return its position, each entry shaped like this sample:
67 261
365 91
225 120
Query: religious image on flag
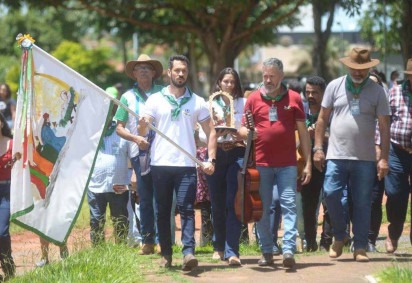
60 117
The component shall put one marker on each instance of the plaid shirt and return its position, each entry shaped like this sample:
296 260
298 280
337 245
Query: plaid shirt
401 115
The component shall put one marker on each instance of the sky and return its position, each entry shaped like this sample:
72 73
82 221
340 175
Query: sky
341 22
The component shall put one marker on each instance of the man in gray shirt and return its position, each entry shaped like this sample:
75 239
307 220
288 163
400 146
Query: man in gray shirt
352 104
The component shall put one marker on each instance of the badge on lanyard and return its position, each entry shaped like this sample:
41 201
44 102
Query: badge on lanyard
174 118
354 107
273 114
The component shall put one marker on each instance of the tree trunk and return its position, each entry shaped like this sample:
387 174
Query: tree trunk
319 57
220 57
406 31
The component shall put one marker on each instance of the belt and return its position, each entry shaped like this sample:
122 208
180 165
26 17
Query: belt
226 146
5 182
408 150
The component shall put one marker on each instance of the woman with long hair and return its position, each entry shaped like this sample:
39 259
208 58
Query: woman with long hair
223 183
6 163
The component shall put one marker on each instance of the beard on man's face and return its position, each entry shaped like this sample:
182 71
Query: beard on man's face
179 82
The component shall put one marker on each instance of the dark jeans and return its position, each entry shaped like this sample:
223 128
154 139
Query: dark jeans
6 259
223 186
147 207
310 201
376 212
397 189
118 213
183 181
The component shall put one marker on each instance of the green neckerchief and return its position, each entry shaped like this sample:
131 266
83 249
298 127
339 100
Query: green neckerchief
278 97
406 88
108 132
351 87
311 119
137 91
225 108
178 106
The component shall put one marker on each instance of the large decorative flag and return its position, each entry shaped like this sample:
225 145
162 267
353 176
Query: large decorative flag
59 122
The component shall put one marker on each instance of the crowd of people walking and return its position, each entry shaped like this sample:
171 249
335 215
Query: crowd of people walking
353 136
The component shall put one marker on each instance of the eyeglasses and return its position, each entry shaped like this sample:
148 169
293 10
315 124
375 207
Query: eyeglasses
143 68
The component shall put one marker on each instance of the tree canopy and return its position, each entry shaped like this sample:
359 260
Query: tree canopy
222 28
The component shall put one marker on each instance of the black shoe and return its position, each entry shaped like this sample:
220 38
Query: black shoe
288 260
312 247
166 261
324 248
265 260
371 248
189 262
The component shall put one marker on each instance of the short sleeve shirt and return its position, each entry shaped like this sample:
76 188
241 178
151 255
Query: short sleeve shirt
276 145
181 131
132 100
353 136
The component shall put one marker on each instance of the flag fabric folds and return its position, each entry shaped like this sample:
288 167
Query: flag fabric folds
60 117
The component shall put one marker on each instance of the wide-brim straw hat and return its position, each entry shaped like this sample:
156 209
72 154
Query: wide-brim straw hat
359 59
408 67
143 58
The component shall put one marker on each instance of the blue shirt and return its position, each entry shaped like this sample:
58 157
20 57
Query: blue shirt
111 165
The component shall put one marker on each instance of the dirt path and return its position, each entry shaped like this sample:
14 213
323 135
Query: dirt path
309 268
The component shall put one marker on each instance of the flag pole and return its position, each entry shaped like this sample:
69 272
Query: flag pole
26 39
124 106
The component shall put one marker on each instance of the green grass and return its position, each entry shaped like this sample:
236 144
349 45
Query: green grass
106 263
399 274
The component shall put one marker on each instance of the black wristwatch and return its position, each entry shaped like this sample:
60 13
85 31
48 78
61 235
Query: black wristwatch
212 160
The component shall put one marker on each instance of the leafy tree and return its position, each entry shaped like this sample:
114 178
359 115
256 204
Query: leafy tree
394 35
47 25
90 63
223 28
327 8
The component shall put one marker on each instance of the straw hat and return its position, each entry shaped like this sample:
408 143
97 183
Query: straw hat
143 58
408 70
359 59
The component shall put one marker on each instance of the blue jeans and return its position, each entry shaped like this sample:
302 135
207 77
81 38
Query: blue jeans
223 186
397 189
182 180
285 179
358 177
118 213
147 205
6 259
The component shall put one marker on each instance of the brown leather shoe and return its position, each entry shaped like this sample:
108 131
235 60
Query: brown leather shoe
360 255
189 262
337 247
158 249
391 245
147 249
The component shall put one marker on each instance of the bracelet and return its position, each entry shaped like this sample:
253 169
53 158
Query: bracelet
317 148
212 160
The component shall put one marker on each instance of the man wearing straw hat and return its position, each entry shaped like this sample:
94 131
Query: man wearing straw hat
352 103
397 186
144 71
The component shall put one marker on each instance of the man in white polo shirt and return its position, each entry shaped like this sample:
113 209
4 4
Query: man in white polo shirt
175 110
